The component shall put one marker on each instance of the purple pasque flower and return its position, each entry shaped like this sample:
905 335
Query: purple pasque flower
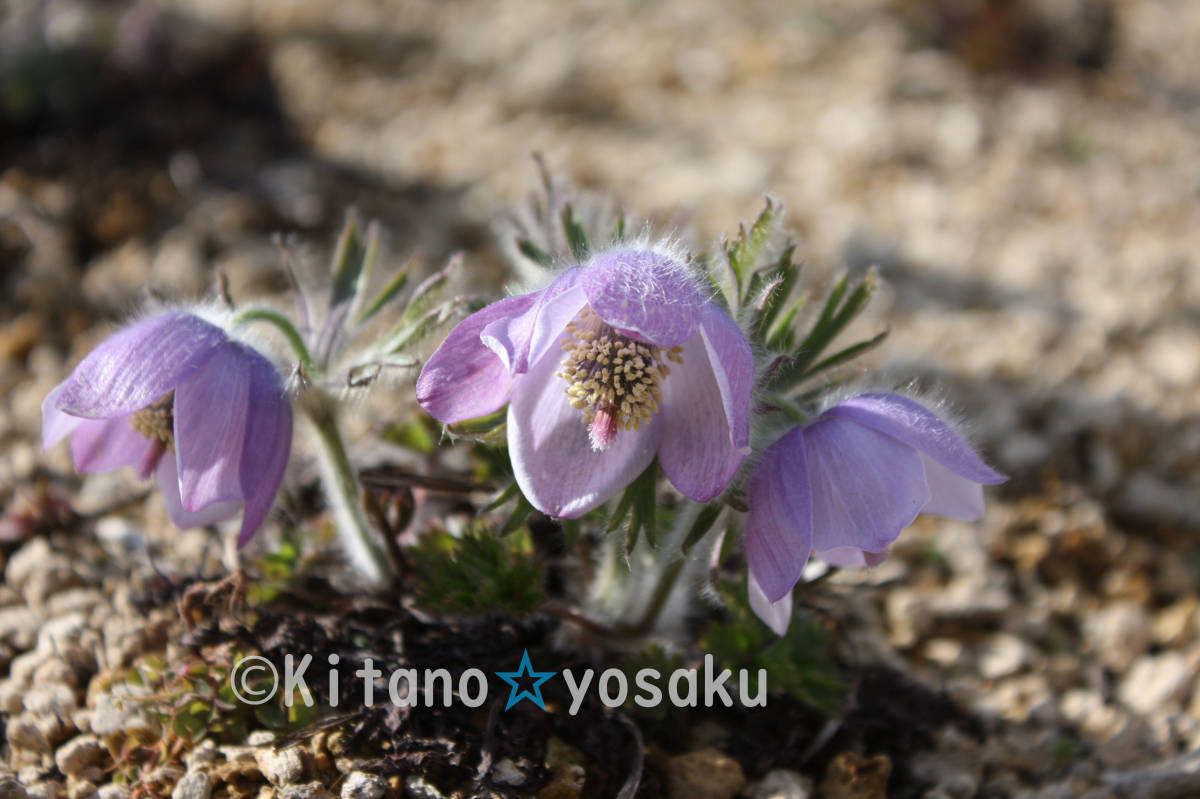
846 484
174 396
616 361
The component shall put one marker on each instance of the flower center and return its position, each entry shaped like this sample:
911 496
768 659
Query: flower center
612 379
157 421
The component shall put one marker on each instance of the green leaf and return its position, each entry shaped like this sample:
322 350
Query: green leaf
798 664
348 261
272 715
429 291
728 279
477 573
619 228
191 721
622 510
643 507
535 253
504 496
720 294
284 326
413 434
783 335
479 426
300 715
703 523
519 516
387 293
835 317
773 290
744 251
370 256
407 335
846 355
577 238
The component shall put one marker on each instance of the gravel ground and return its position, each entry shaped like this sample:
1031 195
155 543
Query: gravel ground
1024 174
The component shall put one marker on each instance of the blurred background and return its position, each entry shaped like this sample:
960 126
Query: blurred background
1025 173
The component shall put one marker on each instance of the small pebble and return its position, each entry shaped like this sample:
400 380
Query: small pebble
705 774
77 754
361 785
193 785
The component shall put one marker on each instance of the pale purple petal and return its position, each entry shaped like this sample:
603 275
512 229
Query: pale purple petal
465 379
776 615
523 338
268 444
101 445
779 526
851 557
866 486
552 456
210 428
56 425
168 483
733 365
918 427
550 327
138 365
706 408
950 495
644 293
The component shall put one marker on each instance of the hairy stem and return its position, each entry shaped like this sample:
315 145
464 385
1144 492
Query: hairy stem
341 487
668 575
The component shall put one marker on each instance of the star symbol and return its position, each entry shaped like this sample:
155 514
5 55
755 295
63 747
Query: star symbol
534 692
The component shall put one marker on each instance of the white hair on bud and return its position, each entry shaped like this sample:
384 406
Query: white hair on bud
935 398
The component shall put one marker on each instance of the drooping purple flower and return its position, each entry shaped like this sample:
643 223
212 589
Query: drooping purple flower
616 361
846 484
174 396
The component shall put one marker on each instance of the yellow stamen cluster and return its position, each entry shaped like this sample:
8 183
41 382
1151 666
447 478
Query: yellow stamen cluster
156 421
610 372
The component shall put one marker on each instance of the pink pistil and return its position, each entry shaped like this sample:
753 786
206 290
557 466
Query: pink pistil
603 430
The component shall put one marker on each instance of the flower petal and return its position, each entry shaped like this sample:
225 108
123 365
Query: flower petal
917 426
101 445
551 323
56 425
866 486
520 339
139 365
464 379
951 495
645 293
168 483
706 408
210 428
268 445
852 557
552 455
779 526
776 615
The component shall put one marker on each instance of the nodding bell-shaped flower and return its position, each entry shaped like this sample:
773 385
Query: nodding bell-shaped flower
616 361
845 485
174 396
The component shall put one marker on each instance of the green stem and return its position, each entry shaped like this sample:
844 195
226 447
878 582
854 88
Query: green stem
284 326
341 487
787 407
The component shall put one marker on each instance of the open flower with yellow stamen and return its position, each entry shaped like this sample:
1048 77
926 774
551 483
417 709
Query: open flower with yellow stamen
175 396
616 361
